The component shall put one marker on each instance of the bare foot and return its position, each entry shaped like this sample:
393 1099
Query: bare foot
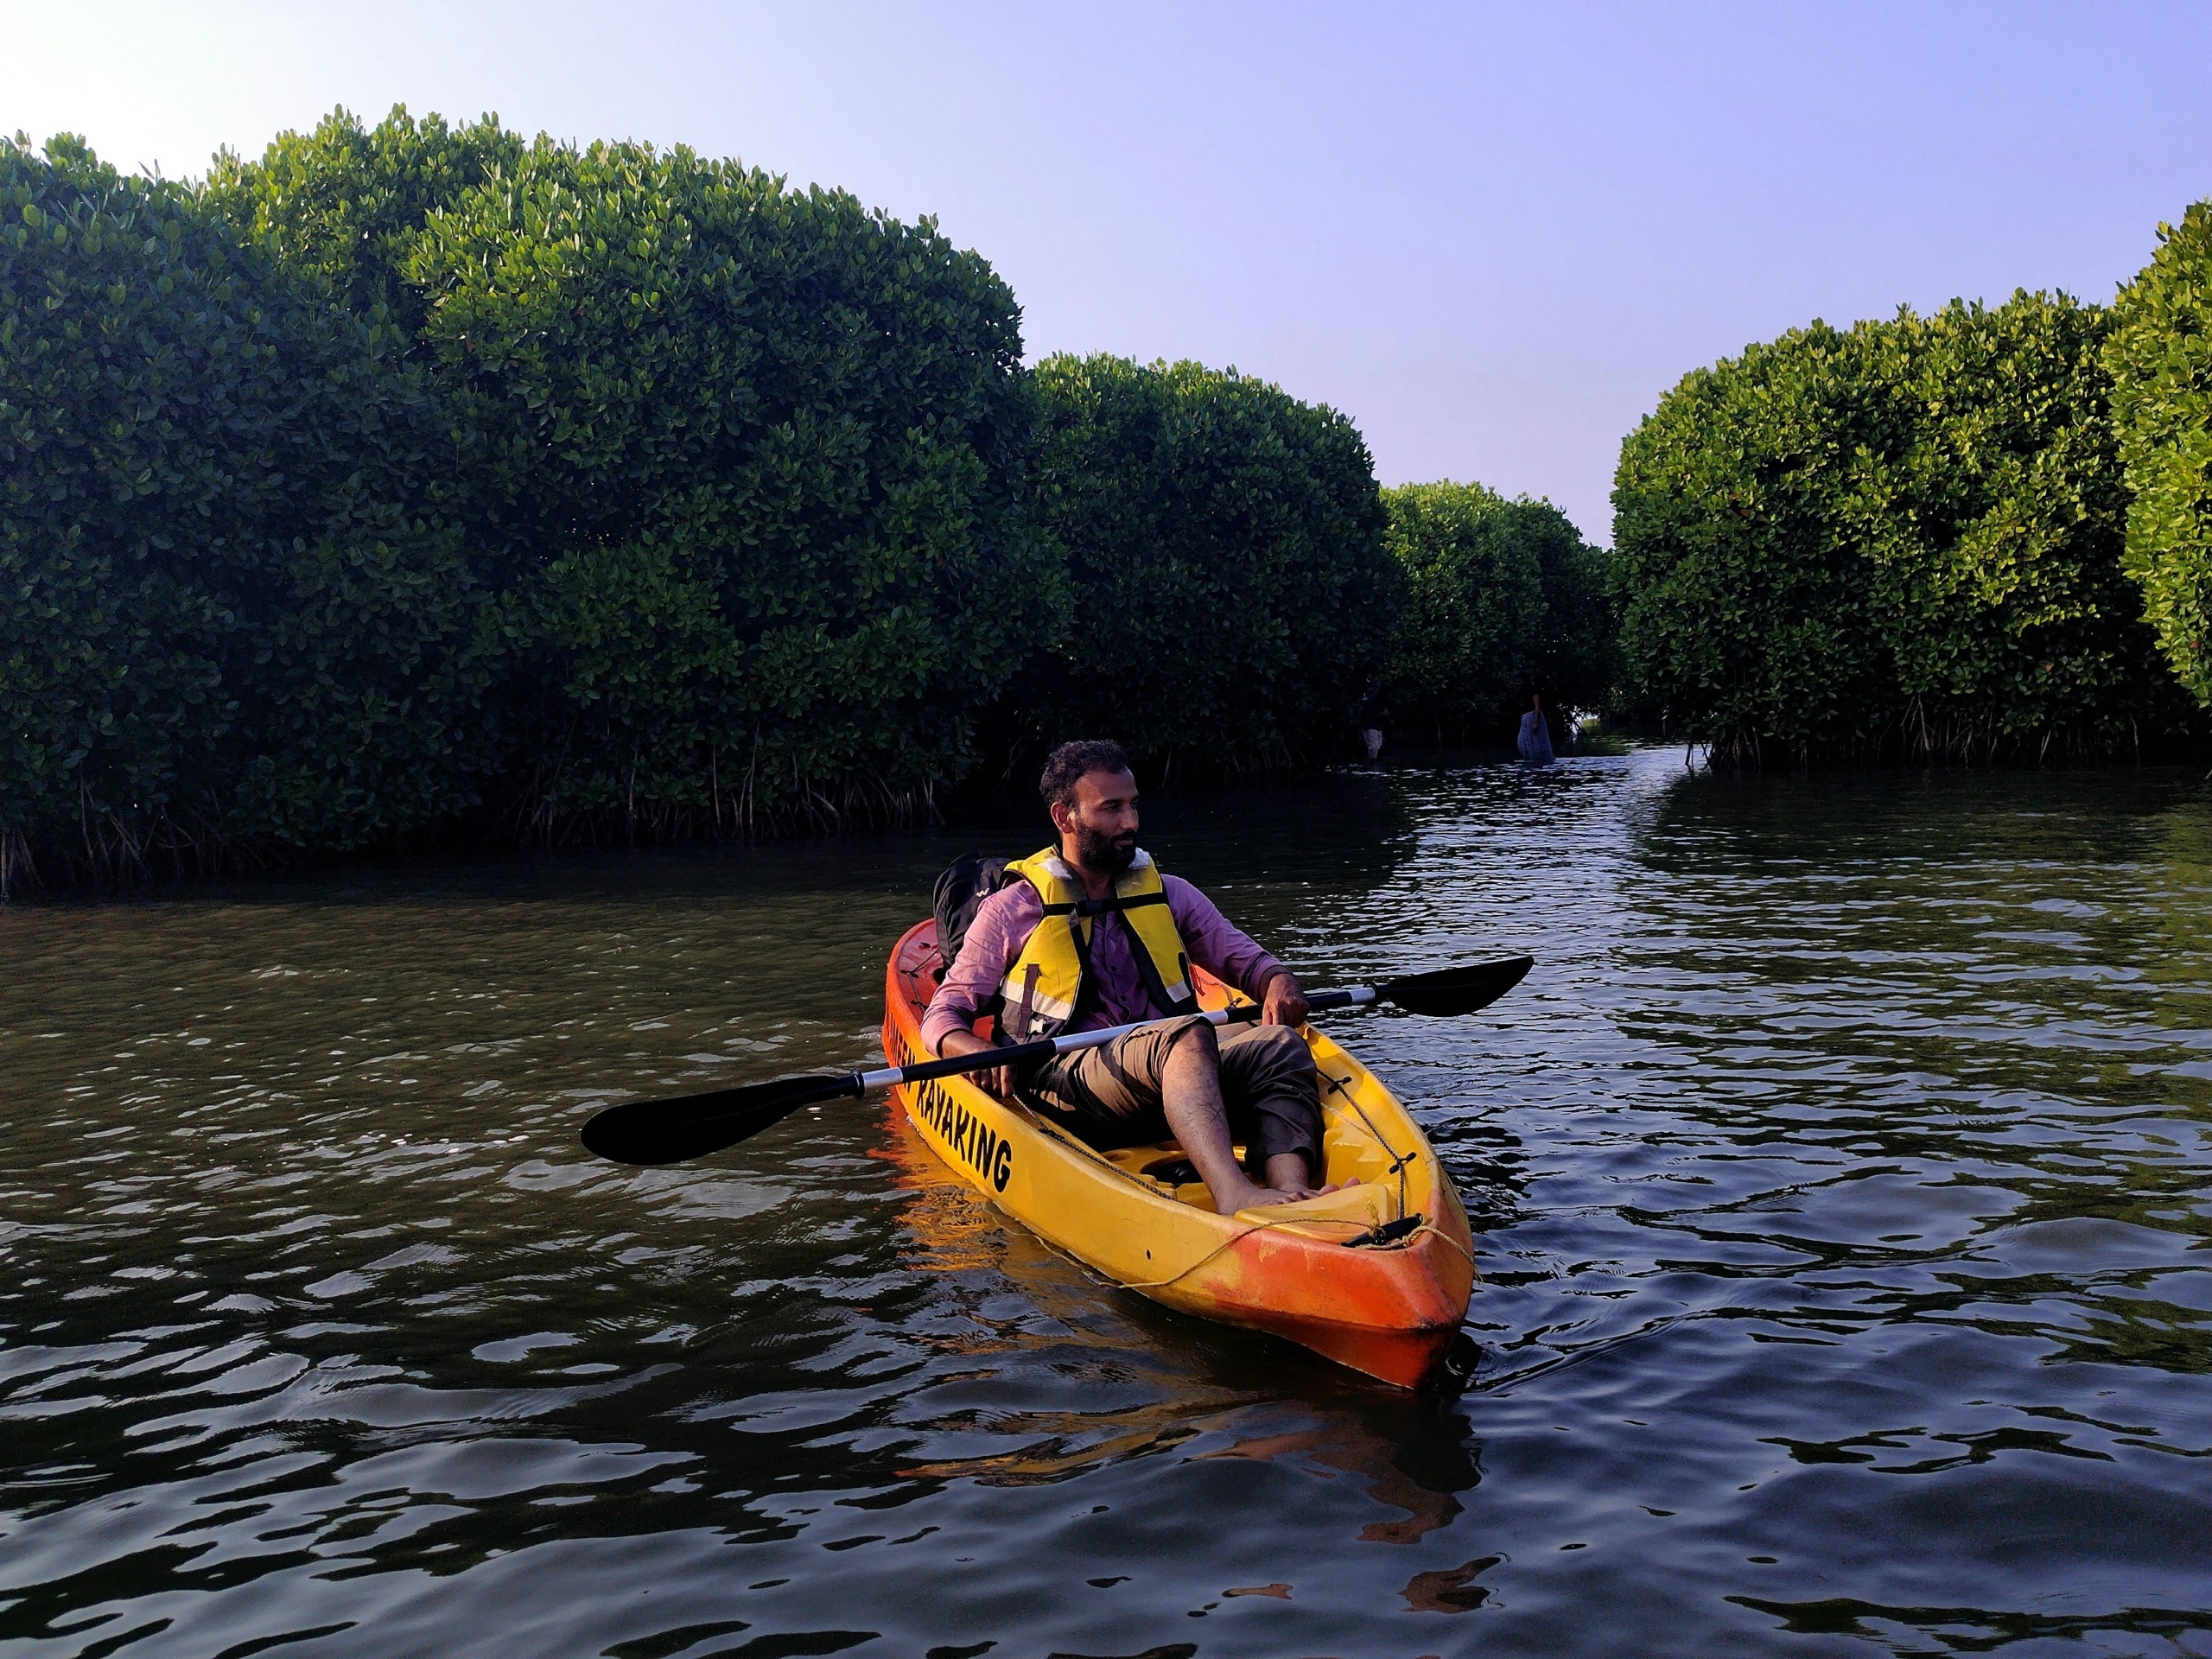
1255 1197
1306 1191
1286 1171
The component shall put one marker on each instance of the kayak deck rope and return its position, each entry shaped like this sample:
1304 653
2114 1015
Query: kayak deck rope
1431 1227
1398 1160
1256 1225
1238 1237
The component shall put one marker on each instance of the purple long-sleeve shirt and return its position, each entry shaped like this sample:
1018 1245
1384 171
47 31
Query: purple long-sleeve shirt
1005 920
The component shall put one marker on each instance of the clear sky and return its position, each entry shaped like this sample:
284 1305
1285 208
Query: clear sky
1493 235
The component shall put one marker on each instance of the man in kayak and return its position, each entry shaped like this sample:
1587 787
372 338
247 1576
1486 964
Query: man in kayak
1090 934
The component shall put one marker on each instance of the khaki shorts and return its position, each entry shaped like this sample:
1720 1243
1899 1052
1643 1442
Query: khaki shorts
1110 1097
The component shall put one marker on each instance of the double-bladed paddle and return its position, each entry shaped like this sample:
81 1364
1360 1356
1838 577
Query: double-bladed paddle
691 1126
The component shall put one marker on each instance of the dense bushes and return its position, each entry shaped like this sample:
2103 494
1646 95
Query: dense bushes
419 478
346 202
1903 540
1501 598
1232 596
760 451
407 475
226 608
2160 359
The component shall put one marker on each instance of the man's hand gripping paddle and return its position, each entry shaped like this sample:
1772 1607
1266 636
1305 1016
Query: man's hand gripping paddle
691 1126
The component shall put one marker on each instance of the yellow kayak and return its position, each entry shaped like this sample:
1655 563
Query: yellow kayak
1375 1276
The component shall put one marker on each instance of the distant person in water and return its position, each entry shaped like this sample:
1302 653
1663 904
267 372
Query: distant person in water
1371 716
1535 734
1090 934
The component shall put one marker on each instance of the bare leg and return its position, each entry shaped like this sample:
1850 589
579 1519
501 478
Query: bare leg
1189 1086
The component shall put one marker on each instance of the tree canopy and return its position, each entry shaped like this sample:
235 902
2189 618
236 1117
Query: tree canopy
1231 597
1899 540
1502 599
2159 357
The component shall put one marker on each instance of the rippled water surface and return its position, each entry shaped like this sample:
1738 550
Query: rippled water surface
1840 1183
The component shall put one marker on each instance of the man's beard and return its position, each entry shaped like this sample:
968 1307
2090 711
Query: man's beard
1107 854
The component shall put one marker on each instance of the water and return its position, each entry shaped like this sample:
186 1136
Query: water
1839 1179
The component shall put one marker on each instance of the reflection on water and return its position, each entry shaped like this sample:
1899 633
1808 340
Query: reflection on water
1839 1176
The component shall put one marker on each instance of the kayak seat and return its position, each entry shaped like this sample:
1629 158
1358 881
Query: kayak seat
1162 1161
1164 1164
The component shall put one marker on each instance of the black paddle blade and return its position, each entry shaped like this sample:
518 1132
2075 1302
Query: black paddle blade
669 1131
1456 990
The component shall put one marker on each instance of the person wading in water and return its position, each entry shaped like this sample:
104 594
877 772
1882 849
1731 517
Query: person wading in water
1535 739
1090 934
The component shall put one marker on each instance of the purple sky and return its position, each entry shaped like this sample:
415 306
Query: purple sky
1492 235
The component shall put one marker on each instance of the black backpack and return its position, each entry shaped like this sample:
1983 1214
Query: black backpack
959 892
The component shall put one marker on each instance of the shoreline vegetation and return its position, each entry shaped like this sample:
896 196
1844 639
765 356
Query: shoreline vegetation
1910 541
426 487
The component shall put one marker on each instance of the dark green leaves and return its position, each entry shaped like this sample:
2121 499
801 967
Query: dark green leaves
232 616
1903 540
2160 360
420 476
1232 598
767 447
1501 599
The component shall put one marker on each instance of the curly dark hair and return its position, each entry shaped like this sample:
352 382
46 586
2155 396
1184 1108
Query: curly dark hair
1072 761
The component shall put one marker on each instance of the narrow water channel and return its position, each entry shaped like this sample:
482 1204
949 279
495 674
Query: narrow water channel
1839 1181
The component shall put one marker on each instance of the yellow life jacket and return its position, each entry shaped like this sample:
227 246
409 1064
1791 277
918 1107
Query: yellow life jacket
1049 977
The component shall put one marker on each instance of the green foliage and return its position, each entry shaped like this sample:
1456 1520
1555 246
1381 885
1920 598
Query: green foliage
2160 360
1501 598
1577 658
768 450
225 612
413 474
1232 594
417 475
345 202
1904 540
1996 536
